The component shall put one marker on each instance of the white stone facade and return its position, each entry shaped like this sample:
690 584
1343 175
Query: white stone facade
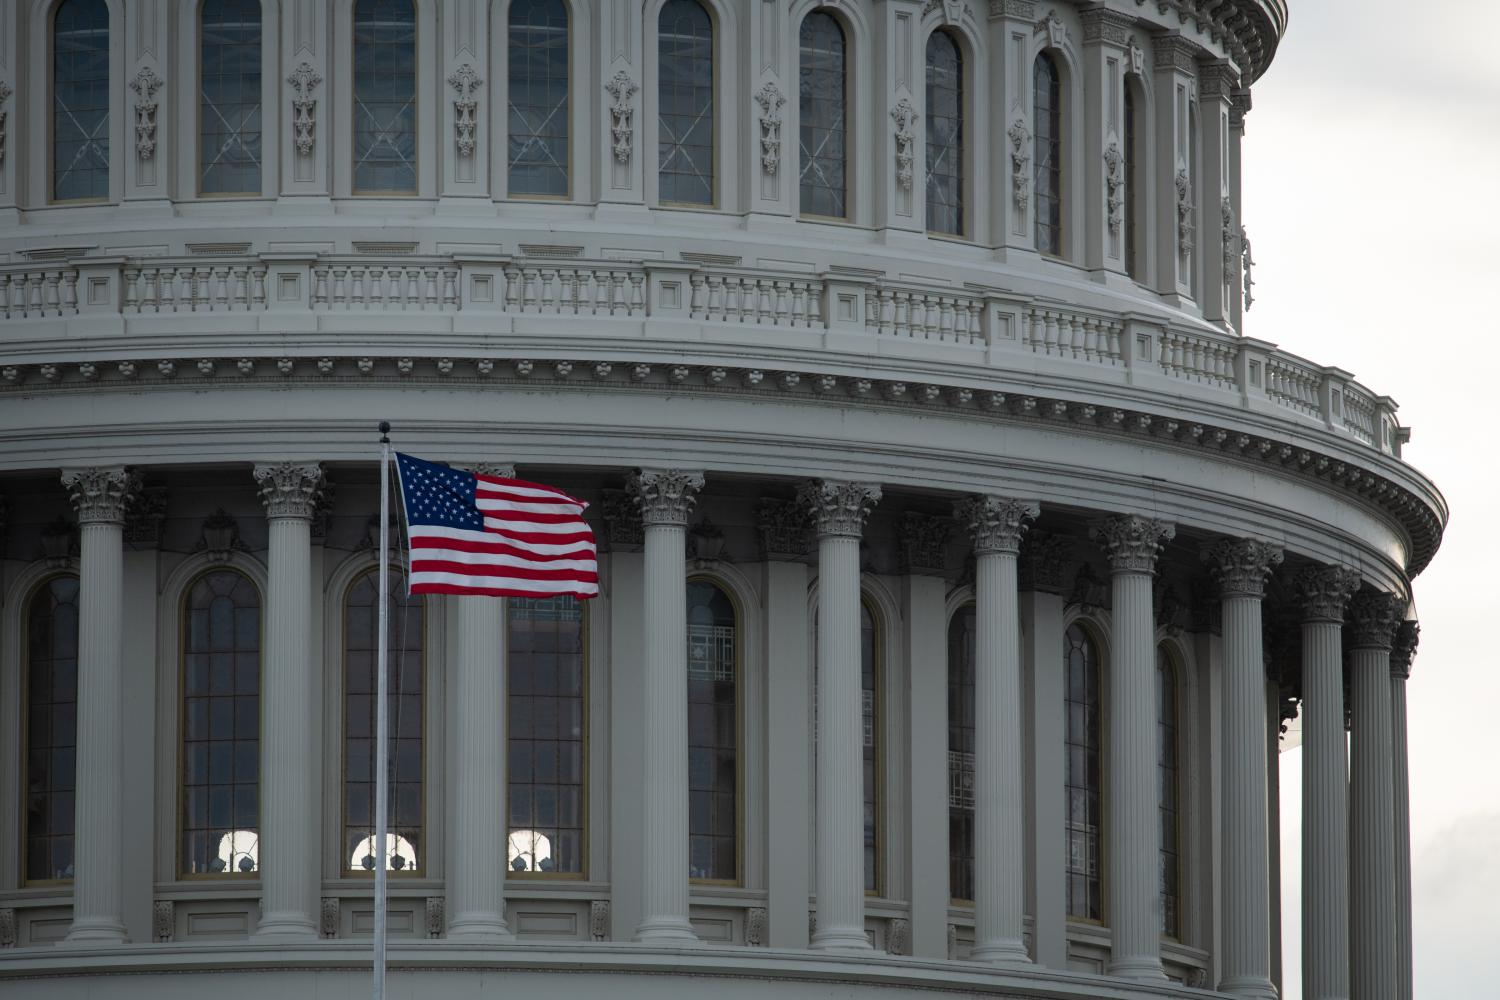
834 421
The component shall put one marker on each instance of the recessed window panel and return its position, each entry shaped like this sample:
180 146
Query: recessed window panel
961 635
229 97
713 733
945 135
385 97
1128 204
1046 154
685 104
1167 770
1083 814
51 684
537 88
869 672
80 100
822 111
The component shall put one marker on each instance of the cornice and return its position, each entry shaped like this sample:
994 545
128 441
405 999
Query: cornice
1290 452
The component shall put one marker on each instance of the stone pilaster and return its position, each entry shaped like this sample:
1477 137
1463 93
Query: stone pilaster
1324 592
100 496
996 525
1404 648
288 844
1106 35
666 498
1132 545
1217 205
1373 617
839 510
1174 62
1241 566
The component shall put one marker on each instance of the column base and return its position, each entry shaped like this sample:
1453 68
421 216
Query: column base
665 930
286 926
1256 987
841 939
1139 967
1001 952
96 930
474 928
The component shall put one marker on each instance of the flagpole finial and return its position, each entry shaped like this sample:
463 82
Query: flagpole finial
385 430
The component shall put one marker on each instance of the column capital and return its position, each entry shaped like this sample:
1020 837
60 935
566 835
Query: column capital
1373 617
289 489
665 496
838 508
1240 565
997 524
493 469
1131 543
1404 648
1325 591
100 494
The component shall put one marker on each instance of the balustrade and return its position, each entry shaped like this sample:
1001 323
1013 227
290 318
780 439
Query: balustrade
1198 358
210 287
1293 383
37 292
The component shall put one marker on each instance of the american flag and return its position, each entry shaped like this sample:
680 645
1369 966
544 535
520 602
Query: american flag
473 534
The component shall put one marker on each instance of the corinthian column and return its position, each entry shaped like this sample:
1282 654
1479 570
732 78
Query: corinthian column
839 510
666 497
1241 566
1325 790
1132 545
1373 618
288 845
997 524
100 496
1402 651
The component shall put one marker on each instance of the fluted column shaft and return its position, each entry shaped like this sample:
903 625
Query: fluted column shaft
1372 820
665 499
287 847
476 875
1325 790
100 496
997 525
1241 567
839 510
1401 656
1132 545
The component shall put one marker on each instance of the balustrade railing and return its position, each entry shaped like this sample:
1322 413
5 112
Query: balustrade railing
168 288
925 315
410 286
1073 335
1291 382
1360 414
575 289
36 292
1198 358
735 297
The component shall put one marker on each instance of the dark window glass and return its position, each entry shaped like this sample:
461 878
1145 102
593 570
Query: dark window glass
1046 156
547 683
945 135
385 97
1167 770
538 96
80 100
1084 781
51 681
1128 204
229 103
870 695
713 733
685 103
404 839
822 107
221 726
961 631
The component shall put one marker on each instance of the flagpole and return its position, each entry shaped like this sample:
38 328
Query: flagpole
382 720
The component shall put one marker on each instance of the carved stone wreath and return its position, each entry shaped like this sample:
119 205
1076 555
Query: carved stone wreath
1020 159
905 116
465 105
621 89
770 100
304 80
145 84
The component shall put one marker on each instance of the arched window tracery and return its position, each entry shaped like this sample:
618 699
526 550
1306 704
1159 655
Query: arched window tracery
80 100
1083 811
823 116
50 680
229 105
685 104
385 97
713 665
945 134
537 93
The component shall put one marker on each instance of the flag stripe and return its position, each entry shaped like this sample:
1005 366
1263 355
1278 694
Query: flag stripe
524 560
540 588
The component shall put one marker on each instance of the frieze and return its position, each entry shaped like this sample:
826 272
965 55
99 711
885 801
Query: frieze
665 496
1240 566
838 508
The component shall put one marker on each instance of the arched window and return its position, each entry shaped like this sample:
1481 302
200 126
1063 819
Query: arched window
229 97
404 717
548 684
1046 155
1085 782
221 726
1129 207
385 97
713 661
1167 756
80 100
823 104
537 92
945 134
961 632
685 103
870 670
51 685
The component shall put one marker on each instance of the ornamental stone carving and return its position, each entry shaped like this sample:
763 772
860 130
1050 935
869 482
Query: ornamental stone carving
1131 543
665 496
1020 160
770 100
1114 182
7 928
1324 592
465 107
622 521
1404 647
1227 237
599 920
922 543
290 489
1372 619
898 936
328 922
304 80
100 495
1100 24
1135 59
1240 566
783 527
905 116
1247 261
838 508
996 524
144 515
434 916
5 93
755 927
1024 10
953 10
621 89
1184 186
1054 28
145 83
163 920
1044 561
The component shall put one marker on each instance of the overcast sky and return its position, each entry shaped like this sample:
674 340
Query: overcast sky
1372 197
